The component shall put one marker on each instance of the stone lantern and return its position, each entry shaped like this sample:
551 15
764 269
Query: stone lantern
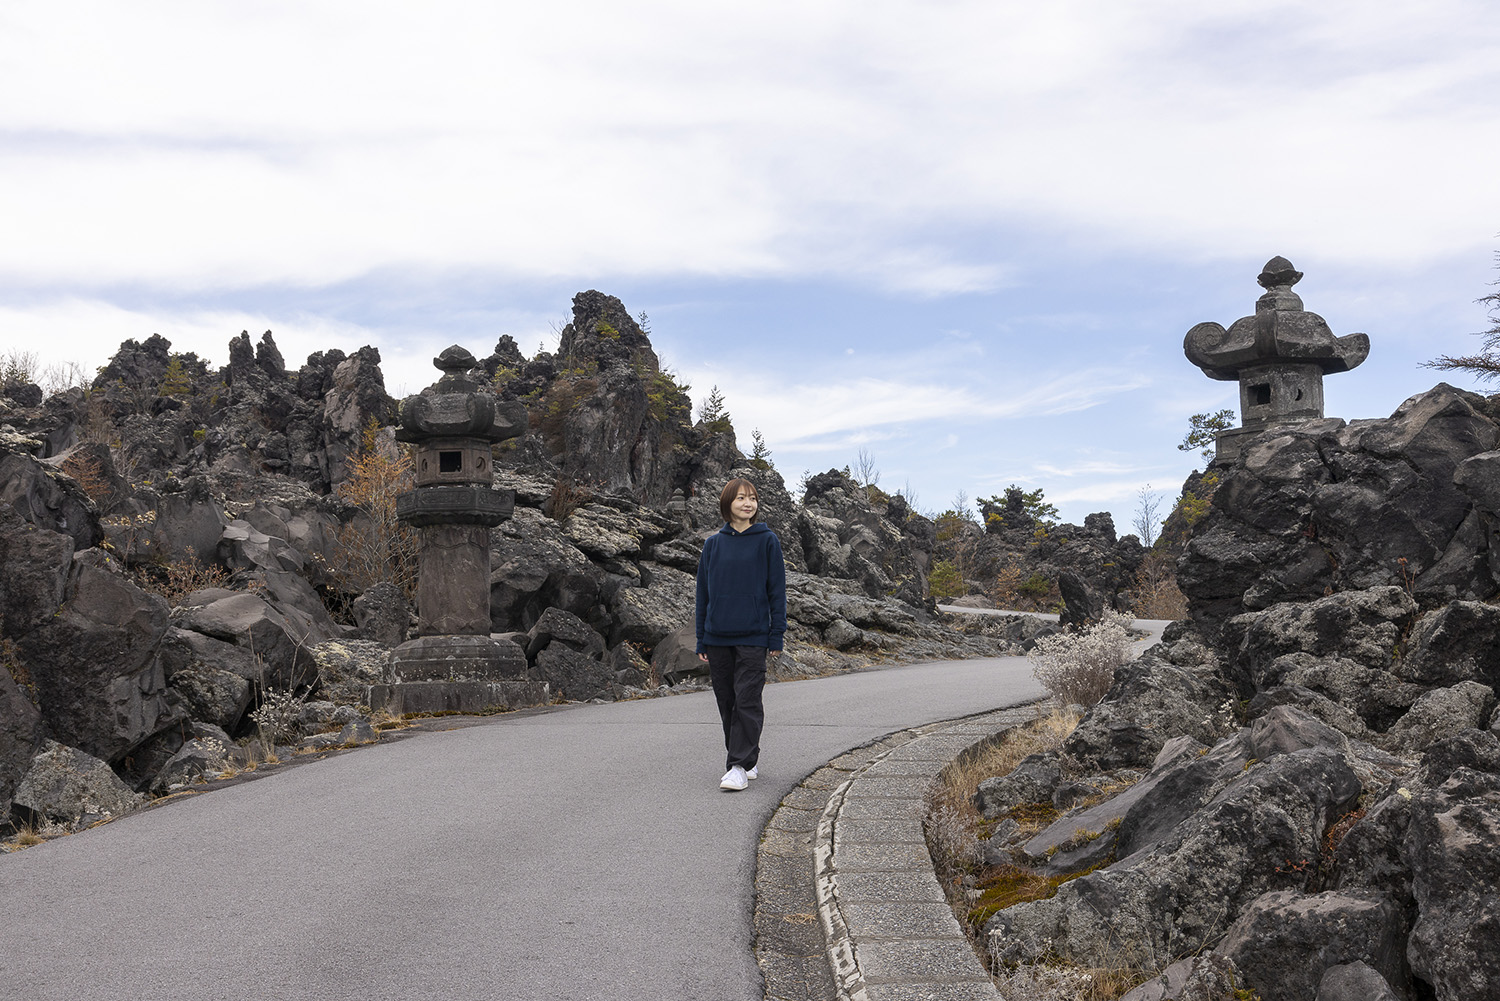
454 664
1279 356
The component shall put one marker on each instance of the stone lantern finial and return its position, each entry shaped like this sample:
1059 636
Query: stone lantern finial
1279 357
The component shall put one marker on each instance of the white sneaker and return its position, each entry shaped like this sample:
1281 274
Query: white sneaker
753 773
734 780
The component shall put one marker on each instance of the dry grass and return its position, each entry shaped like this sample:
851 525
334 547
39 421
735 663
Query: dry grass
1157 595
1058 981
955 828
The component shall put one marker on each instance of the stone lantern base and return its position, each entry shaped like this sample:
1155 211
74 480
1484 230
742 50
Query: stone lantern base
466 674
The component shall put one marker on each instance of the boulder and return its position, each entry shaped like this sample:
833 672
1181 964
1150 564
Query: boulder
1258 834
1284 940
198 760
1149 703
1363 626
645 615
45 498
1458 642
533 568
20 733
1032 781
1354 981
247 620
1206 977
1455 872
382 614
574 675
1107 817
66 786
242 547
675 657
99 684
34 566
347 669
1376 695
212 696
1082 604
629 666
1331 713
190 519
1441 713
565 628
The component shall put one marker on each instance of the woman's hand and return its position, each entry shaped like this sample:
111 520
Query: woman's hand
703 657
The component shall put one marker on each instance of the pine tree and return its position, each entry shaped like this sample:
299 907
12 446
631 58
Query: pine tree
176 381
760 455
712 415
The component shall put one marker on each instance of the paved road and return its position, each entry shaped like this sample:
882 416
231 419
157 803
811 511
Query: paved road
575 854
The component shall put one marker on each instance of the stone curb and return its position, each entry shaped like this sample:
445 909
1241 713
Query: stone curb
846 848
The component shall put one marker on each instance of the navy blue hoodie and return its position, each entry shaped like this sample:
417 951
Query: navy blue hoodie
741 589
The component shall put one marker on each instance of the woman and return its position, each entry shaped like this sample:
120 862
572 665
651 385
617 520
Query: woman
741 619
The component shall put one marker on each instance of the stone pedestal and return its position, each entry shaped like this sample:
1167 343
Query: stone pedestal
467 674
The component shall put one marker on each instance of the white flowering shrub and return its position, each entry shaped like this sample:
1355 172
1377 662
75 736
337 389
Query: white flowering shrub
1078 668
279 717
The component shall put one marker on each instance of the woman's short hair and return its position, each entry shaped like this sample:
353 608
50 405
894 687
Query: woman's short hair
731 491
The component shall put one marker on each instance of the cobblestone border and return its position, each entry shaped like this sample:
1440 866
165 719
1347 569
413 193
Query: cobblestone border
847 906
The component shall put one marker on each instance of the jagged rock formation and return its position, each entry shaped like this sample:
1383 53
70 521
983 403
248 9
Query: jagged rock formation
1304 777
176 548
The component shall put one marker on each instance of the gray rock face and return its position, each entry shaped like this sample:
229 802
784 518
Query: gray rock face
1032 781
645 615
209 694
1180 895
1376 695
346 669
382 614
1450 847
1284 941
280 642
191 519
567 629
675 657
1362 626
532 569
1354 982
197 760
69 787
33 573
1349 507
1441 713
573 675
1209 977
20 735
1458 642
1082 604
46 499
1149 703
99 684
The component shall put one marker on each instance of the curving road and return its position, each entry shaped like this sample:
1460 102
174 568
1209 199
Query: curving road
580 853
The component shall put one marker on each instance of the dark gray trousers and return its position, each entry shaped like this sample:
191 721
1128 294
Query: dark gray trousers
739 674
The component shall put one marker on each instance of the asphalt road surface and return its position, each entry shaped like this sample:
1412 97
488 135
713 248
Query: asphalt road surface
581 853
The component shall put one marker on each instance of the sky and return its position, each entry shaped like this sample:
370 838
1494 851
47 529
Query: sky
967 238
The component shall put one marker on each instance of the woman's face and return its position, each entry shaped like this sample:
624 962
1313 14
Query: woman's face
744 505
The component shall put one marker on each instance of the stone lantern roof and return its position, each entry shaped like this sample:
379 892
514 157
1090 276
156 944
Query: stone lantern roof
1280 331
457 407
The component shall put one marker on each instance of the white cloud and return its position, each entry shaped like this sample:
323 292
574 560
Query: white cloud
199 145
